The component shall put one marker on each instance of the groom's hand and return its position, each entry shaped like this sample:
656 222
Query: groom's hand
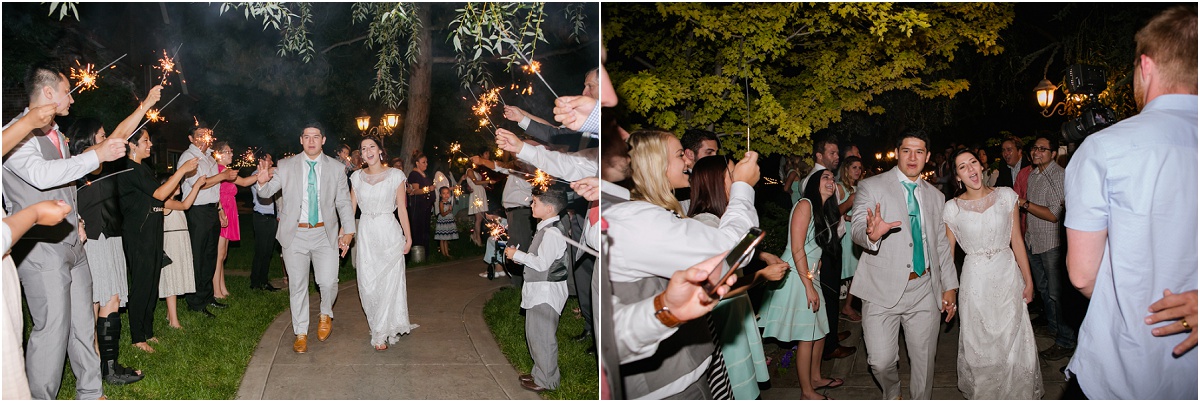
876 227
949 303
1181 308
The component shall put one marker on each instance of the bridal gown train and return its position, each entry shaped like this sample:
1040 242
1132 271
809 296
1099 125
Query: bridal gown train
997 356
380 259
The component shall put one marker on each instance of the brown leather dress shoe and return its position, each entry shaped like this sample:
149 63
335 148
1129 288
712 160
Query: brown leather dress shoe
840 352
843 335
324 327
301 344
525 377
532 386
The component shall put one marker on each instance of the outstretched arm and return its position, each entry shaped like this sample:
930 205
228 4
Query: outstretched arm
126 127
401 212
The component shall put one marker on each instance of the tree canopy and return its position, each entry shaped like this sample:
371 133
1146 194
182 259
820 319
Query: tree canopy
684 65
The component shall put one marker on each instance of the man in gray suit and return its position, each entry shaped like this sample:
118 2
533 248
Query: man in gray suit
314 192
906 276
50 259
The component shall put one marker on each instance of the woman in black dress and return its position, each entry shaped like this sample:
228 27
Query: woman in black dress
142 201
420 200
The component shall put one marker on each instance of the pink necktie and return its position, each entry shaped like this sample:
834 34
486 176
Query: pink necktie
54 138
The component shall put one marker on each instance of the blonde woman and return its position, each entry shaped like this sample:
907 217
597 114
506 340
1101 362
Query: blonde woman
652 236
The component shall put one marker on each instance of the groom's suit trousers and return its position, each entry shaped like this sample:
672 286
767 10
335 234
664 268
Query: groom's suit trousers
311 245
918 313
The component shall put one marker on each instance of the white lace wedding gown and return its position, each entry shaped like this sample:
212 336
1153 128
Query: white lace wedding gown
997 356
380 263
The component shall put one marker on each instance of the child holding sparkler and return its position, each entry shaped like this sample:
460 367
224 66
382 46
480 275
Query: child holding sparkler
446 229
544 292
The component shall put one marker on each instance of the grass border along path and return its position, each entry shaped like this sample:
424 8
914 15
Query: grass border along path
580 373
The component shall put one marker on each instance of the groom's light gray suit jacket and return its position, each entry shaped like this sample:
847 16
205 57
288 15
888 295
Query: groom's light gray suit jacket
333 196
883 274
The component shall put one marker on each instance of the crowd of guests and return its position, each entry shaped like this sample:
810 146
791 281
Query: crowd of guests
1118 224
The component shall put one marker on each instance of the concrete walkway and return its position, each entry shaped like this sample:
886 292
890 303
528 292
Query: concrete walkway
861 385
451 356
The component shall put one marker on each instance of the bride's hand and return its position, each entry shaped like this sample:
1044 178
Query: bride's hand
1027 294
407 244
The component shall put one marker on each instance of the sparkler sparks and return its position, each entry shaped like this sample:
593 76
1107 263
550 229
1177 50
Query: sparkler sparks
247 159
85 76
496 230
148 115
541 179
534 67
153 115
167 65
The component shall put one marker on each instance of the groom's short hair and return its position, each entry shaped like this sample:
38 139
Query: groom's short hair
918 134
315 125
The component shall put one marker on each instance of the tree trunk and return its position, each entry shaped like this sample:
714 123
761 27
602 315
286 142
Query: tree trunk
416 120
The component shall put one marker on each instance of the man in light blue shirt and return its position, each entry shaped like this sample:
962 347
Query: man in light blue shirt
1131 228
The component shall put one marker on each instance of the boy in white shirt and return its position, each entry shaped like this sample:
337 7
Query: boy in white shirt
545 289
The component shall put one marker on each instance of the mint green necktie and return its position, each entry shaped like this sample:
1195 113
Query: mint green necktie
312 193
914 221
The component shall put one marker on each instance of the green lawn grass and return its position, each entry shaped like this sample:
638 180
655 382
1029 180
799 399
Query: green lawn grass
207 358
580 375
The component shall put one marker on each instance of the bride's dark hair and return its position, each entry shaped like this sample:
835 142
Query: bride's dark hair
378 144
959 188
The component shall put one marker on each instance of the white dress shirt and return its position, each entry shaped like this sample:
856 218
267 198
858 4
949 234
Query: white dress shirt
563 165
206 166
517 191
27 163
303 217
550 249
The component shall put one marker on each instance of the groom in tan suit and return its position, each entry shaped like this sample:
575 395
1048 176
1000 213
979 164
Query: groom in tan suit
906 275
315 198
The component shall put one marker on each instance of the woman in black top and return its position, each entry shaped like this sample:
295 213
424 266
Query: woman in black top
142 201
420 200
101 213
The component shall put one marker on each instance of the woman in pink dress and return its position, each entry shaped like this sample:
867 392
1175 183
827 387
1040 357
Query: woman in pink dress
230 229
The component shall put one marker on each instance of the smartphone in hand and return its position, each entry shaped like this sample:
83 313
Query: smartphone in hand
733 261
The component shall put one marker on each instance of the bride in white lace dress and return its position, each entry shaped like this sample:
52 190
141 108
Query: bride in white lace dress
378 192
997 356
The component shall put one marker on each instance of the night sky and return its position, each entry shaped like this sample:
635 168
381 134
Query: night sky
235 76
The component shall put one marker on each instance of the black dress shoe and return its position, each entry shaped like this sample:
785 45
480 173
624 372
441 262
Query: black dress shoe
583 336
205 311
270 288
217 304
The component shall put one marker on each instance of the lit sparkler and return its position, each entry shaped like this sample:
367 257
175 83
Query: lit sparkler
246 159
89 182
155 116
540 179
496 230
483 108
167 64
499 152
148 115
458 191
86 77
530 66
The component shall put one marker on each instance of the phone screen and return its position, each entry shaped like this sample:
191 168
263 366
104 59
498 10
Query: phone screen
740 253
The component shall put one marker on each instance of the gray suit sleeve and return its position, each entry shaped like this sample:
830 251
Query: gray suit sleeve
858 221
341 201
546 133
949 273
